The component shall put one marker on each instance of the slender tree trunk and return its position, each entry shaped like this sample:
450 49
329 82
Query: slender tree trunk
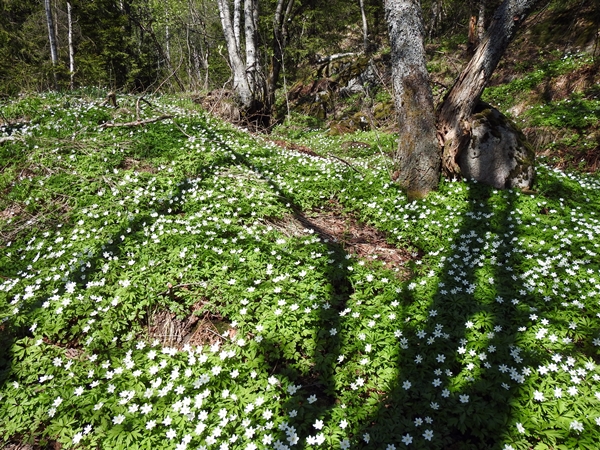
435 17
365 26
418 156
472 39
52 40
280 35
191 69
464 95
237 22
481 20
251 35
167 43
238 68
71 50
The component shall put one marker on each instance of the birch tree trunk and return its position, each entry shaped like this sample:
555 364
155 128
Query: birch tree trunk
70 40
52 39
365 26
251 37
167 43
418 156
238 67
237 21
464 95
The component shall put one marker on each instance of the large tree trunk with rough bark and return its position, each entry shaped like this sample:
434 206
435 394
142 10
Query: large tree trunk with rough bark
417 160
463 97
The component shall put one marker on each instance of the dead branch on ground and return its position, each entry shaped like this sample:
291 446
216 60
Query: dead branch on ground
136 123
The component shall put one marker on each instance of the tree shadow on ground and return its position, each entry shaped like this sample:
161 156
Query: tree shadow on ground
466 366
463 366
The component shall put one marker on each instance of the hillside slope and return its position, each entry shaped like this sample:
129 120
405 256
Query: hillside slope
184 284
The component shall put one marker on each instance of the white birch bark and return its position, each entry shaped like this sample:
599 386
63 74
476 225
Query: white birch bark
238 68
167 42
250 28
237 22
51 34
71 49
365 26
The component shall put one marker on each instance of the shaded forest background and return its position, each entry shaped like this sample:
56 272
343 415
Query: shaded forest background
178 45
335 62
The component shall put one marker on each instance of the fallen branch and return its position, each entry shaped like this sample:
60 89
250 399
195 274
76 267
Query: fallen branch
136 123
137 106
330 58
331 155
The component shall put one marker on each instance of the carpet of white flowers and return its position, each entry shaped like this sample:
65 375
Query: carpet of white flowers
492 342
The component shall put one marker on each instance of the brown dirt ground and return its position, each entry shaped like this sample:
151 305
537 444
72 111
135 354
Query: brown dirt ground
361 240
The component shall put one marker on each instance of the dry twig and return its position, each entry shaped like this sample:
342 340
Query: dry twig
136 123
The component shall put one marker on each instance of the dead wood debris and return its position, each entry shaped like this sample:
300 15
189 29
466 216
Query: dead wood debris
135 123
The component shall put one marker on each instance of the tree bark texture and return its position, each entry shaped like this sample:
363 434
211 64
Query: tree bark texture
238 68
237 21
51 39
365 26
71 49
481 20
458 106
281 18
251 38
418 155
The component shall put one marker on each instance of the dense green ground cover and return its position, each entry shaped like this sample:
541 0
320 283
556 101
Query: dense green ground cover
492 341
558 98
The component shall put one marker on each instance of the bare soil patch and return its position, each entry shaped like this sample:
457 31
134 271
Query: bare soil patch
294 147
577 81
196 329
137 165
364 241
12 210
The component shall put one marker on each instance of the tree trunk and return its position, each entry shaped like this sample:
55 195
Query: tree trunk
365 26
251 41
435 18
418 156
464 95
237 21
71 50
52 39
168 44
238 68
280 35
472 39
481 20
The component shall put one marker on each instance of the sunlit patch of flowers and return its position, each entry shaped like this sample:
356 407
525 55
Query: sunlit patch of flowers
494 336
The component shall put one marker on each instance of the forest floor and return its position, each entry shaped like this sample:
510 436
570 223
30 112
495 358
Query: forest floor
186 284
